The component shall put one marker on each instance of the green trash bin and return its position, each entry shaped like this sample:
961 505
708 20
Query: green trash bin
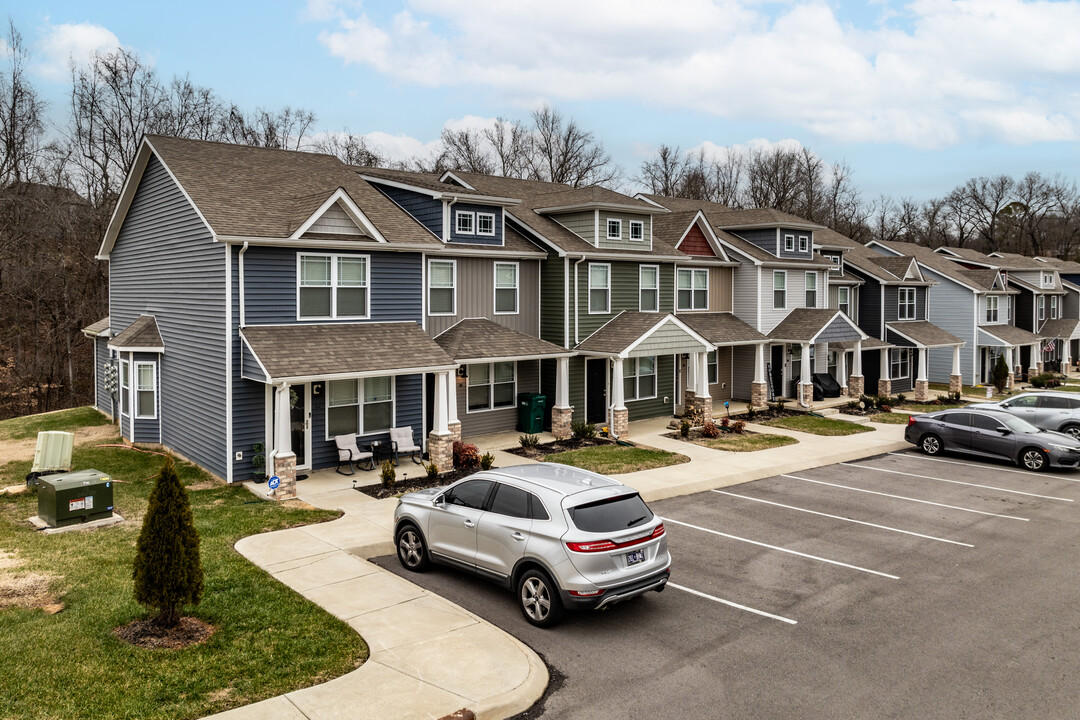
531 412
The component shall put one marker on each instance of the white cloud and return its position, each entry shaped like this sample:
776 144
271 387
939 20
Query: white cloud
400 147
64 44
928 74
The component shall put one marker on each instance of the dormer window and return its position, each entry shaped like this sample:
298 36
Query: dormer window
637 230
838 264
1048 279
804 243
465 222
614 229
485 224
789 243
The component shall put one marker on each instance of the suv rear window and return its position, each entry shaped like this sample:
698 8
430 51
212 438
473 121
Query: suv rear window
611 515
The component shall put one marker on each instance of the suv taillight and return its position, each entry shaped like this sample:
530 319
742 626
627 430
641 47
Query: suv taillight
604 545
910 420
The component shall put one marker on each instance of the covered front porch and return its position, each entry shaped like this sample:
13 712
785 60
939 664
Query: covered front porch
802 341
1015 344
1060 338
921 336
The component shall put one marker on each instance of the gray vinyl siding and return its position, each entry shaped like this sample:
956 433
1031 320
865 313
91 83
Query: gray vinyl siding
625 243
808 255
838 331
892 303
582 224
483 422
1070 307
553 300
476 239
103 400
668 339
853 300
764 239
663 403
745 296
475 296
742 359
952 308
796 296
335 220
870 309
426 209
165 263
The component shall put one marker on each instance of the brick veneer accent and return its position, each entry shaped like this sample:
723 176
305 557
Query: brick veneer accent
441 451
956 383
620 423
856 386
1041 367
455 431
699 408
806 394
285 469
922 390
884 387
562 422
759 394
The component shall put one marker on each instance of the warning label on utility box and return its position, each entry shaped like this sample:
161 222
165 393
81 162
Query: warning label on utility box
84 503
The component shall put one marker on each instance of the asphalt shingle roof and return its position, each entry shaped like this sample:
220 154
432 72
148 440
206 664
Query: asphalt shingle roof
482 339
1060 328
1010 334
97 328
924 333
804 324
721 328
620 332
143 333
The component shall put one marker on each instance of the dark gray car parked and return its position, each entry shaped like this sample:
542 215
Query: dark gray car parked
1048 410
992 433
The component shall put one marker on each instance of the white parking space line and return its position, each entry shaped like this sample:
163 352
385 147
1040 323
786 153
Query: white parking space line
789 621
841 517
783 550
901 497
995 468
956 482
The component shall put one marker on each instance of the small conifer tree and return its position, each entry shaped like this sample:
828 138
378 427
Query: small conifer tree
168 572
1000 373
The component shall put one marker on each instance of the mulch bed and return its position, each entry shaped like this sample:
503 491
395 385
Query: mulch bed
696 434
870 410
144 633
539 452
413 483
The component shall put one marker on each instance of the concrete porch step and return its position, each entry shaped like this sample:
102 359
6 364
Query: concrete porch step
857 419
826 412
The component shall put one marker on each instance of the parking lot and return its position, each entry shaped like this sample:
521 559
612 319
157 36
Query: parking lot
896 586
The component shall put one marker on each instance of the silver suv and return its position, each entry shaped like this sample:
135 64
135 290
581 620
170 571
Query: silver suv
1047 410
560 537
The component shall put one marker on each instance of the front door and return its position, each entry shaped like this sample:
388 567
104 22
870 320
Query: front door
596 372
778 370
299 423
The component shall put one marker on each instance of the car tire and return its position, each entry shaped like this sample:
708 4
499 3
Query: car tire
538 598
412 550
1073 430
1034 459
931 444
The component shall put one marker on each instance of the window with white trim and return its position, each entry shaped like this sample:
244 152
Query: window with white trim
901 364
442 290
332 287
465 222
1048 279
779 289
359 407
804 243
843 300
485 224
614 229
491 386
125 387
1042 308
506 288
905 308
599 288
838 264
1054 307
649 288
991 308
145 390
637 230
789 243
693 289
714 368
811 290
639 378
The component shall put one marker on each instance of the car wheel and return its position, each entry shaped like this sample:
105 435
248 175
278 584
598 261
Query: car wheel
931 444
411 549
538 598
1034 459
1073 430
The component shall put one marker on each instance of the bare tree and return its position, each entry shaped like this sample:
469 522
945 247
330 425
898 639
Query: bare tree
284 129
22 125
773 179
564 152
349 148
511 143
465 150
665 174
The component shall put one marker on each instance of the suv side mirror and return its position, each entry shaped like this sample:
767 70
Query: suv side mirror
439 501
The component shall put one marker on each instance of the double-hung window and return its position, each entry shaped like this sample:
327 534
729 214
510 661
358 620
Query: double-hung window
1042 308
637 230
491 386
905 309
811 290
649 288
789 243
442 293
843 300
485 224
506 288
465 222
714 370
901 367
145 390
779 289
639 378
614 229
1047 279
804 243
838 264
1053 307
125 387
333 287
693 289
359 407
992 308
599 288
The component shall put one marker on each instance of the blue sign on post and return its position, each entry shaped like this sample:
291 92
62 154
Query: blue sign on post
274 482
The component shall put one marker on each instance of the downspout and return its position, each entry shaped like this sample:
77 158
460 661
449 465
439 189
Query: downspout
240 260
577 300
448 224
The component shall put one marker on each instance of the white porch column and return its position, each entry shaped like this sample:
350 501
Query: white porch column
1008 359
1036 356
440 423
283 428
451 399
922 364
562 382
617 398
856 361
841 370
956 360
759 363
804 366
885 352
1065 359
692 366
703 374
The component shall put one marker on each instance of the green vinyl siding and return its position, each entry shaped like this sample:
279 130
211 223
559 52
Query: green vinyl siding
665 388
552 300
624 294
582 224
624 242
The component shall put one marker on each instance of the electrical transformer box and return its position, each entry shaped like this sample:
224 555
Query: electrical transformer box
74 498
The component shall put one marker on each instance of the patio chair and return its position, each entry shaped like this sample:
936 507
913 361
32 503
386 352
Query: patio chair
403 441
350 454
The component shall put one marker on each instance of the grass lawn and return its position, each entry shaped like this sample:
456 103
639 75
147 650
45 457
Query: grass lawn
1061 388
746 442
967 390
924 407
31 425
891 418
818 425
269 640
616 459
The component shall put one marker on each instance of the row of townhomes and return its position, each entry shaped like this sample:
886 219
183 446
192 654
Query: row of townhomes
284 298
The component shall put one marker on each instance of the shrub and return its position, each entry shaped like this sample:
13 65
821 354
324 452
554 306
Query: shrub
738 427
1044 380
710 430
725 422
853 405
584 430
388 475
529 441
431 470
258 460
168 571
868 401
1000 374
486 461
466 456
941 400
751 413
886 408
684 428
901 398
882 400
780 403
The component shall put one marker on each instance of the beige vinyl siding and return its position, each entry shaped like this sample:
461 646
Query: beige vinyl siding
582 224
743 358
625 243
335 220
721 389
475 296
720 286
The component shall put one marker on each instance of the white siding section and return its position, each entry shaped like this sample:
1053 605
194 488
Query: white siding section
335 220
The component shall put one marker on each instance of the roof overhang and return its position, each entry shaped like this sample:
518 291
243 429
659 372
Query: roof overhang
599 205
449 194
911 335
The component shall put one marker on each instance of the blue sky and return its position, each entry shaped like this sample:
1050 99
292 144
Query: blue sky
917 96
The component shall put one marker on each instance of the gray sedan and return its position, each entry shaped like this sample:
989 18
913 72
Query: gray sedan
1049 410
995 434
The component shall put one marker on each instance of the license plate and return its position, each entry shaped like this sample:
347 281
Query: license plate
635 556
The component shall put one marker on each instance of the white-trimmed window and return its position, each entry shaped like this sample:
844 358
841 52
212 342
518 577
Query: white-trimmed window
332 287
1054 307
1048 279
637 230
145 390
485 224
693 289
359 407
838 264
804 243
901 363
905 308
811 290
843 300
614 229
649 288
442 287
125 387
464 222
492 386
789 243
1042 308
506 288
779 289
599 288
992 308
714 369
639 378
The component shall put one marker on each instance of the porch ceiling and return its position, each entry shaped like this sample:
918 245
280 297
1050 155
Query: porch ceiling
477 339
920 333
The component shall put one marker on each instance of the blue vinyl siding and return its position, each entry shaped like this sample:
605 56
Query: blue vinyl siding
426 209
892 303
952 308
870 309
764 239
809 254
146 430
475 239
837 331
103 399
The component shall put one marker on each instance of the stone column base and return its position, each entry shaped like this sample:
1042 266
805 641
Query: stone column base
884 387
922 390
440 450
285 470
562 420
806 394
956 383
856 386
1041 367
620 423
698 408
455 430
759 394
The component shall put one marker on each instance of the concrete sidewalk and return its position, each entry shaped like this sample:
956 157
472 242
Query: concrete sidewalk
430 657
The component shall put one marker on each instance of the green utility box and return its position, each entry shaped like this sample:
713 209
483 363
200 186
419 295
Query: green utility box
531 412
74 498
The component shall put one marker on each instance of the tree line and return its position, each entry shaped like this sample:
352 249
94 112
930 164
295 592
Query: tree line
60 179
